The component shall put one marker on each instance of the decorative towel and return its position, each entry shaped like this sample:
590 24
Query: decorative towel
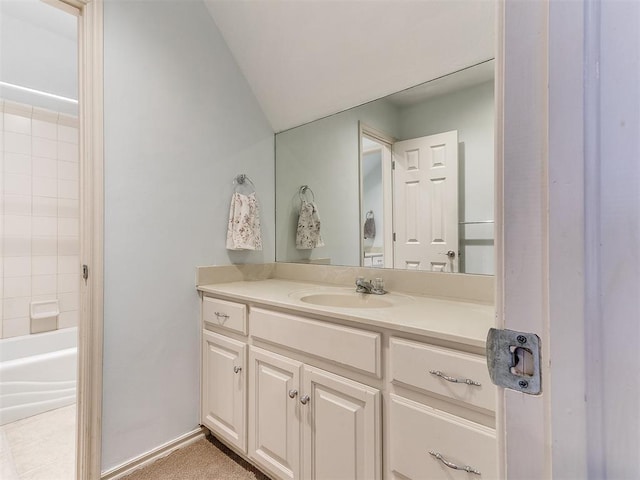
308 233
370 226
243 232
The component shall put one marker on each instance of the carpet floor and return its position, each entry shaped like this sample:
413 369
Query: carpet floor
205 459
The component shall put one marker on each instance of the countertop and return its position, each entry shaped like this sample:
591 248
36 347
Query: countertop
456 321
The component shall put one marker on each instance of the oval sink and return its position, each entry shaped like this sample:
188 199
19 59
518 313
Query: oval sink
346 300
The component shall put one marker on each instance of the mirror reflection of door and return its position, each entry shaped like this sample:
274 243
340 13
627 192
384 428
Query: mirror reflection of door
425 203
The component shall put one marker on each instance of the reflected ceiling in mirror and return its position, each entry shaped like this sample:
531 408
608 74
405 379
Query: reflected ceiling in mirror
417 165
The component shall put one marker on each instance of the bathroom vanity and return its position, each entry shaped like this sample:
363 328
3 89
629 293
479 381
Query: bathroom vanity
311 380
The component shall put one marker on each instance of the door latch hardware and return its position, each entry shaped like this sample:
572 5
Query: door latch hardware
513 359
85 273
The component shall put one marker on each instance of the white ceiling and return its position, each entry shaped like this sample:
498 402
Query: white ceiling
305 59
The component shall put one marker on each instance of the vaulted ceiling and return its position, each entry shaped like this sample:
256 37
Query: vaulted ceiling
305 59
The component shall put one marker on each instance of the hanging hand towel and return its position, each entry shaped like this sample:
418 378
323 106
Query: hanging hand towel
308 233
370 226
243 232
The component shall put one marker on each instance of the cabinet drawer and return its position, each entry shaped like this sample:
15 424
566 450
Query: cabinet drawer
413 362
416 430
227 315
351 347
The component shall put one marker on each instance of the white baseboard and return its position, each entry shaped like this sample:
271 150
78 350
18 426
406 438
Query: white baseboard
152 455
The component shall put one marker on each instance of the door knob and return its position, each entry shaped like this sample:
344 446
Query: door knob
305 399
450 254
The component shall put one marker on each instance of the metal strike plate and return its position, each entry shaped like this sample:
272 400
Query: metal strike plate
513 359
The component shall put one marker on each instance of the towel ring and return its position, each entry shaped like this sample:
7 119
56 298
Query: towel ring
241 179
303 191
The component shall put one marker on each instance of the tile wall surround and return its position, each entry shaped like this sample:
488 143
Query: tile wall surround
39 215
470 288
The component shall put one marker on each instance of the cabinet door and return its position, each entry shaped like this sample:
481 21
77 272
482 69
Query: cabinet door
341 425
223 388
274 413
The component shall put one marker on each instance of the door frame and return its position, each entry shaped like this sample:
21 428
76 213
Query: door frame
91 155
543 150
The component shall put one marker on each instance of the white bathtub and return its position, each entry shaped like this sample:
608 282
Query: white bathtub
37 373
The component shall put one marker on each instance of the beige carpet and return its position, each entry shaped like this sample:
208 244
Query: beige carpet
205 459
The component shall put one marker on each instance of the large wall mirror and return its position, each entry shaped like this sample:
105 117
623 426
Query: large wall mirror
406 181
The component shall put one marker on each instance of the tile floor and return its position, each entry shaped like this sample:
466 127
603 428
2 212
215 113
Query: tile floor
41 447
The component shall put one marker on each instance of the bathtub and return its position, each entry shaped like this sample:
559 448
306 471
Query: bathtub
37 373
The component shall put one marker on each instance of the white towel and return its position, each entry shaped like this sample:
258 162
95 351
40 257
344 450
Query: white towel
243 232
308 232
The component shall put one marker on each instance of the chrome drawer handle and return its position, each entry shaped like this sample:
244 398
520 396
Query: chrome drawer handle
221 315
305 399
468 381
237 369
467 469
293 393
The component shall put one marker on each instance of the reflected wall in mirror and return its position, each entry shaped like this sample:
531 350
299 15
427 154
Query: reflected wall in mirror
406 181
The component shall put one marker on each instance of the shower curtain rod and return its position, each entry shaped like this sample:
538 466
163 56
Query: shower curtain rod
39 92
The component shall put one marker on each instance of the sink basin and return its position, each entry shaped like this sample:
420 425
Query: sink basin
346 300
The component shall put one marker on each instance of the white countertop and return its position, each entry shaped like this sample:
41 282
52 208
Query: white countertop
456 321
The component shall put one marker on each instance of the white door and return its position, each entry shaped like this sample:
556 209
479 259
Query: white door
425 203
223 387
341 425
274 413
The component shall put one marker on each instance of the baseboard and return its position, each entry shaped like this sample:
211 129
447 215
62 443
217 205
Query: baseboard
152 455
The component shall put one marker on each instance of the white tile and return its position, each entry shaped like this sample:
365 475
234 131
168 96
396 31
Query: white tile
68 189
44 298
67 152
17 287
17 184
68 301
44 226
17 225
68 170
68 227
44 246
68 283
45 207
68 319
45 167
15 327
45 187
17 266
69 208
17 163
68 134
44 265
16 246
17 123
17 143
43 147
15 307
43 285
40 128
17 204
69 264
68 245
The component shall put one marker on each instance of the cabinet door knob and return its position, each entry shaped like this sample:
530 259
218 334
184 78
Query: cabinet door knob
293 393
237 369
305 399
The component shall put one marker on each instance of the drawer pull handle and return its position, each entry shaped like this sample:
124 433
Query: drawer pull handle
467 468
468 381
293 393
221 315
305 399
237 369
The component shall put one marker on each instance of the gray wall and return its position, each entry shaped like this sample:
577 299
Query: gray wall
180 123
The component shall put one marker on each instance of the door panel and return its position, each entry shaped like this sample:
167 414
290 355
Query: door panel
426 202
274 413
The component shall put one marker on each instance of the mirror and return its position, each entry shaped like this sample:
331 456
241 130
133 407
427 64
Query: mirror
406 181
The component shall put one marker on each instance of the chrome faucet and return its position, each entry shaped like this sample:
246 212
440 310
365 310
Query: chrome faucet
376 287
